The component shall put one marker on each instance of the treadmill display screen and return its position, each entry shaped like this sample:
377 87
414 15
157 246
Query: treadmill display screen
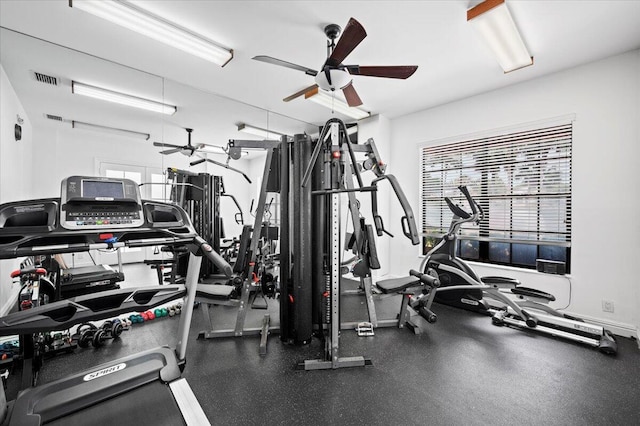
102 190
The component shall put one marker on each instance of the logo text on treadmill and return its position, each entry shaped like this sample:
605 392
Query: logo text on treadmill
104 372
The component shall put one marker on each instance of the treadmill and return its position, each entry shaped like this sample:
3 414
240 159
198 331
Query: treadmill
143 388
88 279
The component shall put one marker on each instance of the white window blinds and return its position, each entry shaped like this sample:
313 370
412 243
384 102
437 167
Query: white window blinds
522 180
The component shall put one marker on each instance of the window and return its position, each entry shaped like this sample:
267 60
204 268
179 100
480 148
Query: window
522 180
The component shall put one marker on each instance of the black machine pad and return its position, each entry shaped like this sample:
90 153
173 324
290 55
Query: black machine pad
500 281
214 291
532 292
394 285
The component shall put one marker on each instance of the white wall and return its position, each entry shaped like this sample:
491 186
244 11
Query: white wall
15 171
605 98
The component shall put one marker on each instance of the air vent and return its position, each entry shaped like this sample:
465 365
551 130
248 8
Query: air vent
46 79
53 117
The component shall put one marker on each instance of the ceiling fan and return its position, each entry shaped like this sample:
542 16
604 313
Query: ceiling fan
188 149
334 74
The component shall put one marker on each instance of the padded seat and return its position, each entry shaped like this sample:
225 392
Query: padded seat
214 292
394 285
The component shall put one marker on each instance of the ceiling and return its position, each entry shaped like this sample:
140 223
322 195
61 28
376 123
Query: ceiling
453 62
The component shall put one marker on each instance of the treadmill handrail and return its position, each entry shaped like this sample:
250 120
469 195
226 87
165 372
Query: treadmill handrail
63 314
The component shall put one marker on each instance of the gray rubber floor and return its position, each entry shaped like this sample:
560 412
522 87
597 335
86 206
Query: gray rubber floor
461 370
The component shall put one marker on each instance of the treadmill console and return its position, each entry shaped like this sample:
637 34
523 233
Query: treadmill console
100 203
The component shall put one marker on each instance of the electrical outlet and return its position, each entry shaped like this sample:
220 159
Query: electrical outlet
607 306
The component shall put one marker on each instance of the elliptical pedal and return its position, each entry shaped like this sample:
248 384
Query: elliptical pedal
608 344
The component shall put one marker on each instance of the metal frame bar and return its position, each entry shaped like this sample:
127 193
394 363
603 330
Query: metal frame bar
332 353
243 304
191 282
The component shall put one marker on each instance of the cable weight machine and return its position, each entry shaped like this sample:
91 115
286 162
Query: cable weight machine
199 194
313 179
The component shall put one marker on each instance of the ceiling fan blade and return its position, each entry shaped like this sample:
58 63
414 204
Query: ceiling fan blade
170 151
352 96
399 71
166 145
300 93
274 61
352 35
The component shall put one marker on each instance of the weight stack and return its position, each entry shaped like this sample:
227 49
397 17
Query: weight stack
296 325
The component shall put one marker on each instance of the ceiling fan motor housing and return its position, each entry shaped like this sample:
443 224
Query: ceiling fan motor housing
339 79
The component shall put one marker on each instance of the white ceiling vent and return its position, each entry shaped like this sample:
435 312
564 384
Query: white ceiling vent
46 79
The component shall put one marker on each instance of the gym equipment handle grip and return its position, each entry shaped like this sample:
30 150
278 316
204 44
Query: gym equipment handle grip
427 314
26 271
214 257
456 209
427 279
472 203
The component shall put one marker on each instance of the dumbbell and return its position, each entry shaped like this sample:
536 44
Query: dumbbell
136 319
161 312
85 334
110 329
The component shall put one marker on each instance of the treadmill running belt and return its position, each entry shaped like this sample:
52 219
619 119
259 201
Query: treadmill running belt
151 404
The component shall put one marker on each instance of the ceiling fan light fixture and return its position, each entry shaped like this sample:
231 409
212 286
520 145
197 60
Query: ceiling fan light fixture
257 131
110 130
121 98
144 22
334 104
339 80
492 20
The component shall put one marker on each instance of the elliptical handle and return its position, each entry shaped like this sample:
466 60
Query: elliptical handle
470 200
456 209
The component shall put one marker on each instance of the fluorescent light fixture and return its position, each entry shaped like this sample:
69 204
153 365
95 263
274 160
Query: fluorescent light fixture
144 22
121 98
210 149
494 22
334 104
257 131
350 131
111 130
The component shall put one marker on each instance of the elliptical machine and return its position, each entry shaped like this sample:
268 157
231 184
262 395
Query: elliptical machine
526 308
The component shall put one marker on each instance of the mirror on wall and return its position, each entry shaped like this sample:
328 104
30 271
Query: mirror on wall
66 133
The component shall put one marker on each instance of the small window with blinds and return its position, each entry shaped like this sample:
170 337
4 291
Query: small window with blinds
522 180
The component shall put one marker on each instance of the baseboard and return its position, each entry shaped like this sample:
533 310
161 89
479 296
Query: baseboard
615 327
